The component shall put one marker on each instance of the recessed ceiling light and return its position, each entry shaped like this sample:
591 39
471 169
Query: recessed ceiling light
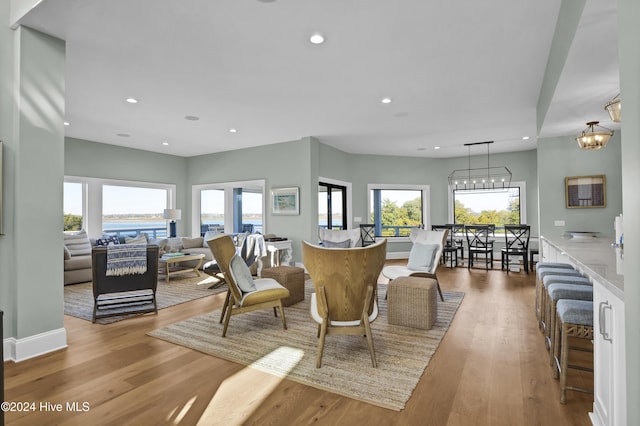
386 100
124 135
316 38
165 143
66 123
191 118
132 100
233 130
525 138
436 147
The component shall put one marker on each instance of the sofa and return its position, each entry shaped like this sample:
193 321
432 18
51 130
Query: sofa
78 245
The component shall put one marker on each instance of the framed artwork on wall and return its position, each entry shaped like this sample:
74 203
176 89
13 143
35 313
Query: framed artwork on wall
285 201
585 192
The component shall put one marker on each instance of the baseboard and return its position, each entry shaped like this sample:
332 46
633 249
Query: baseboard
398 255
17 350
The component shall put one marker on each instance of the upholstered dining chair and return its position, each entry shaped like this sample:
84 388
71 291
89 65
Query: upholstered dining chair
339 238
516 244
424 256
345 281
245 294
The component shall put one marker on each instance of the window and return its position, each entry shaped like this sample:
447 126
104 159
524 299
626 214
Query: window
494 206
395 209
332 206
108 205
228 207
73 206
130 210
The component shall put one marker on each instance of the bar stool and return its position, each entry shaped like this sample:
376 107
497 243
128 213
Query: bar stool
555 293
544 305
554 265
574 319
547 270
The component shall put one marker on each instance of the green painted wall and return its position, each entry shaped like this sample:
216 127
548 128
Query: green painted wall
93 159
561 157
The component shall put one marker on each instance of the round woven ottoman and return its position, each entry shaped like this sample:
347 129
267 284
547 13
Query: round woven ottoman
412 302
291 278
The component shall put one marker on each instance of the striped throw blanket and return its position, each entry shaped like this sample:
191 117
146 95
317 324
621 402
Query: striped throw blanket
125 259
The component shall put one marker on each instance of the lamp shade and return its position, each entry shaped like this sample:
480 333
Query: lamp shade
592 138
172 214
614 108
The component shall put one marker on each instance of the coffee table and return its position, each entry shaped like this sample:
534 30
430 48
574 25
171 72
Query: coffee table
171 265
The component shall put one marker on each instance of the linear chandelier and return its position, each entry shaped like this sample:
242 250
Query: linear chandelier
490 177
592 138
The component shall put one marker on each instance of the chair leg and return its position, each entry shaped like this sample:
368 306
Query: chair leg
367 328
284 321
226 320
439 289
225 306
323 332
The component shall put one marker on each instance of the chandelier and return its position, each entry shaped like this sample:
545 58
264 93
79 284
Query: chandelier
592 138
614 108
489 177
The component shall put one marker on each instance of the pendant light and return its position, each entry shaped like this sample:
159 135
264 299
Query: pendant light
490 177
592 137
614 108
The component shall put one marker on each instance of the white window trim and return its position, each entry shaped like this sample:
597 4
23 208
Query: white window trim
426 201
228 202
92 198
523 201
349 186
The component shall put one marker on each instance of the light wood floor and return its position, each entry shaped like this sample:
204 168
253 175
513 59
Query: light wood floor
491 369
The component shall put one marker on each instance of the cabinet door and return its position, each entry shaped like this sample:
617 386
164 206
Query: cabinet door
609 403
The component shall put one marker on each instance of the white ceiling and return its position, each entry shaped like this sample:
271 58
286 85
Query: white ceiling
456 71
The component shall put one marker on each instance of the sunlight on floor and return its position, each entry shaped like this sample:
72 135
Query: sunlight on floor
237 397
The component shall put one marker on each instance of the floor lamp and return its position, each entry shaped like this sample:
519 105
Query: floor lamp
173 215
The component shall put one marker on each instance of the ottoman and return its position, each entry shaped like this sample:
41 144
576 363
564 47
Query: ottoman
290 277
412 302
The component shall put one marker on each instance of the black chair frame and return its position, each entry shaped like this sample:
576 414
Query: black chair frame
478 243
516 244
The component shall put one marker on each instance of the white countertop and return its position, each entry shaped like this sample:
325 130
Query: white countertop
594 257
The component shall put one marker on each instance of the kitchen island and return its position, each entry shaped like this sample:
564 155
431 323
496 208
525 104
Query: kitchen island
602 264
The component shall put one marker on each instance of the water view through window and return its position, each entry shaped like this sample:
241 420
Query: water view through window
134 208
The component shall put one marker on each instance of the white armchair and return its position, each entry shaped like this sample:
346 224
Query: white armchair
337 238
424 257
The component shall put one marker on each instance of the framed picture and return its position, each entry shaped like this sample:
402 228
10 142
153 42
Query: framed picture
285 201
585 192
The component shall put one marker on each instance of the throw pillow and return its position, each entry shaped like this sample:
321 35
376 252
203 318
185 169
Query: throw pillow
138 239
421 257
107 241
78 243
336 244
160 242
241 274
188 243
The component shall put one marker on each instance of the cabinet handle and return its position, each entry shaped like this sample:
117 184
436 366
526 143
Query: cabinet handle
602 321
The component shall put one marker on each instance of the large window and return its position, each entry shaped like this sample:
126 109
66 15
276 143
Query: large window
332 206
116 206
395 209
229 207
130 210
73 206
495 206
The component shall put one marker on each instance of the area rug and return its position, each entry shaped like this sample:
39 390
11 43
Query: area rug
78 298
258 340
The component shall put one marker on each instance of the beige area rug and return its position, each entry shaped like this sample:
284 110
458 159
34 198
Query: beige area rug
258 340
78 298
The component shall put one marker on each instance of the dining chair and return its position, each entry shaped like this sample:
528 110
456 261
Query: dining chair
451 246
516 244
479 243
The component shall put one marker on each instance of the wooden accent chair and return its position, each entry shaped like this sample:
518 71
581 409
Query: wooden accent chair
268 293
345 281
419 265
